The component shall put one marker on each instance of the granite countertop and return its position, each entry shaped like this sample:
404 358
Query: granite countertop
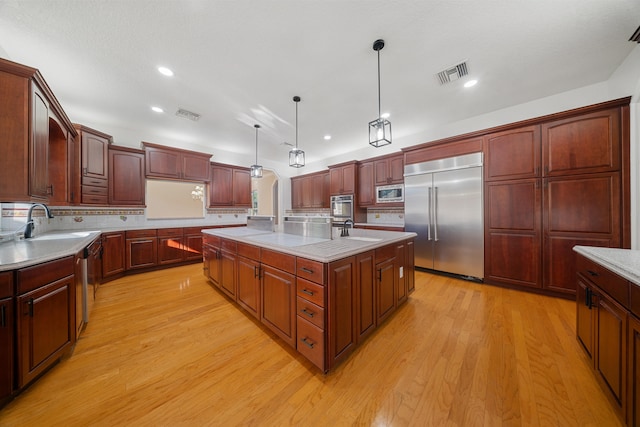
374 224
315 248
624 262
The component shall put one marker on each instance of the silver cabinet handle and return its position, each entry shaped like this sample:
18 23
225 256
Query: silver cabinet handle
435 214
429 223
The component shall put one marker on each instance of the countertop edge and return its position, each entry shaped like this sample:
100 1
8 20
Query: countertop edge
623 262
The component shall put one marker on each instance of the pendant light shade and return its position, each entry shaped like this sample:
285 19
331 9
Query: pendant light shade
296 156
256 169
380 128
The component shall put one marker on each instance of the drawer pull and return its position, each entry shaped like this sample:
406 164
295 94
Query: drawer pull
306 270
307 312
592 273
3 316
30 304
308 292
307 343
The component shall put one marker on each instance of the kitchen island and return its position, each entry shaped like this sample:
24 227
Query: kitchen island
323 297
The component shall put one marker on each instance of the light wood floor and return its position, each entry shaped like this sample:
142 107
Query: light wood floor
165 348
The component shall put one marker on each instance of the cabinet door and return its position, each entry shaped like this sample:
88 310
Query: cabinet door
611 347
141 252
193 245
366 190
211 260
513 154
170 248
401 284
241 188
221 188
113 254
163 163
513 225
409 267
320 191
126 182
6 347
382 170
228 273
386 284
44 327
578 210
248 295
278 312
195 168
296 192
365 300
335 181
633 401
349 179
587 143
585 318
94 156
39 158
307 192
341 294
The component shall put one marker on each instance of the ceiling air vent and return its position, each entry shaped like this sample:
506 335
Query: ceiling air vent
453 73
186 114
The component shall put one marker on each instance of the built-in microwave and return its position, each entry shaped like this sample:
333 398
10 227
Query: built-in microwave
390 193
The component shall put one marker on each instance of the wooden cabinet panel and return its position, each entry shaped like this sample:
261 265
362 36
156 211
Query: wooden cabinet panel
386 285
228 278
513 154
311 342
221 188
39 159
389 170
401 284
195 167
587 143
320 190
6 347
162 163
141 252
310 312
502 266
211 263
193 243
170 246
365 309
633 375
310 270
514 205
113 254
310 291
343 179
279 303
241 188
585 320
248 295
45 323
409 267
341 299
366 187
94 165
296 193
172 163
310 191
126 177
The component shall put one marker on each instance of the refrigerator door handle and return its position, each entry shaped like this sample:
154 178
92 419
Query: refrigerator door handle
435 214
429 209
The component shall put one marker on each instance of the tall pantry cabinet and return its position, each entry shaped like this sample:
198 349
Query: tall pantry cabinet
550 186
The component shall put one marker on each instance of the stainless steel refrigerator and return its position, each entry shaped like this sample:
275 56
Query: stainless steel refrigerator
444 206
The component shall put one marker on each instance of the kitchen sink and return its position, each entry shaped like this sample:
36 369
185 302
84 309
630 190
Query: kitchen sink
363 239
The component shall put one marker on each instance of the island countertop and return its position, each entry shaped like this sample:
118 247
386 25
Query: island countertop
624 262
314 248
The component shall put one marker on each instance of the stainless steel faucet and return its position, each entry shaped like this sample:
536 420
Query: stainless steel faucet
28 232
345 230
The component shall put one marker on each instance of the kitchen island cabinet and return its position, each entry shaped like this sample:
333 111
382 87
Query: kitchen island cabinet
323 306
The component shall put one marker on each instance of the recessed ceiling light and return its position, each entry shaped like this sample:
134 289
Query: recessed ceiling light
385 115
165 71
327 137
470 83
157 109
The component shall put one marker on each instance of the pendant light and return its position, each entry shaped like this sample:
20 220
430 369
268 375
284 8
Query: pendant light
379 129
296 156
256 170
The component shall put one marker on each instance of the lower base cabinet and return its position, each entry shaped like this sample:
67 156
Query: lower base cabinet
141 250
278 307
249 273
6 336
45 316
113 255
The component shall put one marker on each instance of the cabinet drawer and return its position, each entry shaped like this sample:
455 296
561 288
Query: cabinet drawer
170 232
135 234
311 312
93 199
6 284
311 270
30 278
210 240
188 231
278 260
98 191
611 283
249 251
385 253
94 182
310 291
310 342
229 246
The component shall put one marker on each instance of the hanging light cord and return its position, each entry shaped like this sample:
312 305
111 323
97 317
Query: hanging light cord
257 127
296 126
379 108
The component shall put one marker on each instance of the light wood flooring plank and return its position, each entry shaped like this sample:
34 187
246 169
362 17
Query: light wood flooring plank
166 348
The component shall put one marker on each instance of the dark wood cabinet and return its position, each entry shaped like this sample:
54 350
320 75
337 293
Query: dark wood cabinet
211 258
633 373
172 163
6 336
193 243
389 170
170 245
113 255
401 291
230 186
228 271
387 277
93 178
365 307
343 178
310 191
141 249
126 176
409 266
513 154
45 317
249 273
342 302
278 299
366 187
37 133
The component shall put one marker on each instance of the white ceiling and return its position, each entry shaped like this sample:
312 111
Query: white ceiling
240 62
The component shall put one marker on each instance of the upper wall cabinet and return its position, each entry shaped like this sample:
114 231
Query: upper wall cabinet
230 186
172 163
513 154
93 171
343 178
389 170
310 190
39 136
126 169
